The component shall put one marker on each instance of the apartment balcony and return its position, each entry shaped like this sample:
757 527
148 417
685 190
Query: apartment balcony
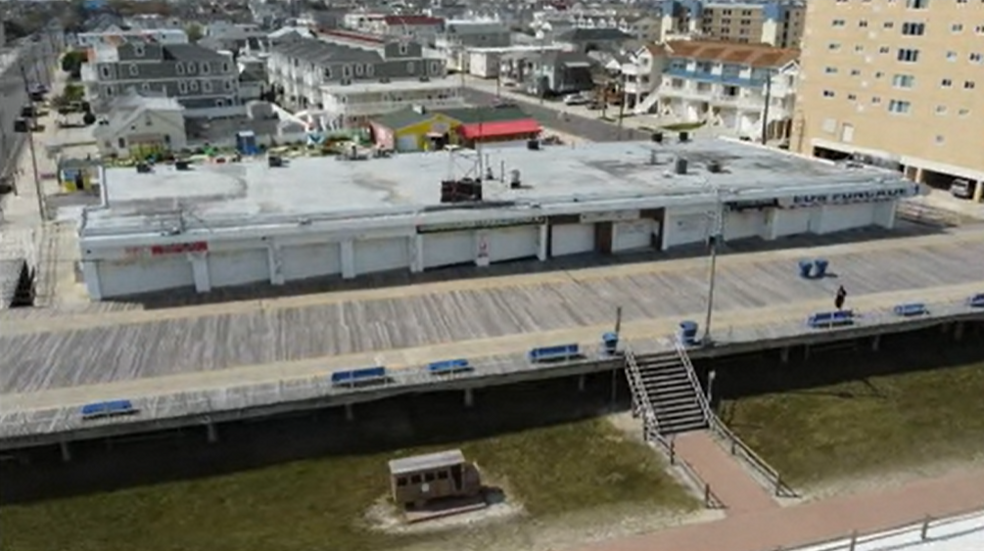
704 76
383 107
686 92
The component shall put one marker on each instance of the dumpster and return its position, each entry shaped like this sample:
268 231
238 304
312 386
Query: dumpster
805 267
609 343
688 332
820 267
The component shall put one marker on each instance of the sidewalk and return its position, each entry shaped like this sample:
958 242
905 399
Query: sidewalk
817 521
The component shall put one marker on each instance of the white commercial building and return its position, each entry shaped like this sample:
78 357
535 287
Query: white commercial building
247 223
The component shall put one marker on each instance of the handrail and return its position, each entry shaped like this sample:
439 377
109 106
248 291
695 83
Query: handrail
715 424
851 539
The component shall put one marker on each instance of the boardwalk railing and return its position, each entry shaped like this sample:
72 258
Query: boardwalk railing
652 433
906 535
735 444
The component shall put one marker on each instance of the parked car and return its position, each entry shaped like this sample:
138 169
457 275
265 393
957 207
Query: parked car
576 99
960 188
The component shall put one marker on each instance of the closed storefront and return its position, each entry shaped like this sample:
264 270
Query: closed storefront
449 248
742 224
380 255
844 217
119 278
408 142
685 228
309 261
634 235
513 243
568 239
792 221
229 268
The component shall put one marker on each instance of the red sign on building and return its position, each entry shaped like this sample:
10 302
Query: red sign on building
178 248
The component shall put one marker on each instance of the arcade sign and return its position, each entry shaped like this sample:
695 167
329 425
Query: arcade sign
849 198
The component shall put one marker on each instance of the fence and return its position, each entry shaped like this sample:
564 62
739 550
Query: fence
912 534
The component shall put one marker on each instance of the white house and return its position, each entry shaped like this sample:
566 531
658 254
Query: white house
137 123
729 86
114 35
642 75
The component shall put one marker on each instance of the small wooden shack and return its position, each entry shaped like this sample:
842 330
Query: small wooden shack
418 481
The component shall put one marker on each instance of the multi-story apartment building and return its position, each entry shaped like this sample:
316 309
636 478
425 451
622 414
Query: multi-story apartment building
779 23
203 81
901 81
553 23
345 84
734 87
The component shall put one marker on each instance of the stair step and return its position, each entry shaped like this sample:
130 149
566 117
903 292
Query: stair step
681 428
665 377
671 401
665 389
680 412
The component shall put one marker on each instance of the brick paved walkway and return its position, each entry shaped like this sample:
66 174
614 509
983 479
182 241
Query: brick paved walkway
807 523
728 479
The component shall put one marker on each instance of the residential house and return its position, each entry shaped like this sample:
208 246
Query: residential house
422 28
235 37
731 86
586 40
913 99
642 74
202 80
558 73
420 129
348 83
776 22
113 35
138 126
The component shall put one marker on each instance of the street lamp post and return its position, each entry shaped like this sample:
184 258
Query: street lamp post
711 375
714 236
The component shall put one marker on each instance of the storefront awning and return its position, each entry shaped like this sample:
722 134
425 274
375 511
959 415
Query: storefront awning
499 129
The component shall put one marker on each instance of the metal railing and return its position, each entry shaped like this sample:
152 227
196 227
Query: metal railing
914 532
735 444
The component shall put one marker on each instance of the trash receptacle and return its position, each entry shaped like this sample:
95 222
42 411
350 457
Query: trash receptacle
688 332
609 342
820 267
806 267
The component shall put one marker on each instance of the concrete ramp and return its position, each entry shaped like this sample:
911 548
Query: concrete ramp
728 479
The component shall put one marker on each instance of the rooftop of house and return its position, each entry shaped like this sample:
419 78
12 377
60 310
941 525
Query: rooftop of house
340 194
465 115
412 20
754 55
581 34
318 51
191 52
409 84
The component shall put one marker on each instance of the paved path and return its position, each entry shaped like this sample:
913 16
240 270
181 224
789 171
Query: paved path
728 479
768 530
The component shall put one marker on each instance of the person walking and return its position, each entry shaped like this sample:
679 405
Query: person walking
841 296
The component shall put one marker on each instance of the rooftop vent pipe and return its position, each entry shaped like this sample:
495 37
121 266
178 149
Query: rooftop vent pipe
680 166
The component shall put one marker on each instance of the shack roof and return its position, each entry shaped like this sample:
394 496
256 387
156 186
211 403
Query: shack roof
426 462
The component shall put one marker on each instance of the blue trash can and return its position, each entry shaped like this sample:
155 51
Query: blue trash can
820 267
805 268
609 342
688 332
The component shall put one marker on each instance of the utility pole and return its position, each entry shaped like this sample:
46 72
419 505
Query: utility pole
620 90
765 111
715 236
32 122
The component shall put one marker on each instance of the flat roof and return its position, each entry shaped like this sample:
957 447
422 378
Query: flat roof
406 188
426 462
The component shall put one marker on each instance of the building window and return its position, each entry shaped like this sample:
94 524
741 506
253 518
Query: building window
939 139
946 83
828 93
917 4
951 56
884 50
435 68
206 68
834 46
182 87
975 57
134 71
876 100
207 86
852 97
327 73
104 71
963 112
403 49
913 29
179 68
359 69
863 23
225 66
228 85
370 69
969 85
908 55
192 67
220 103
897 106
830 70
941 110
145 87
855 72
346 71
122 142
888 25
138 50
903 81
838 23
193 86
956 28
411 67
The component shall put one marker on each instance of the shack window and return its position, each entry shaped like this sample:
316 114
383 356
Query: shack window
415 479
401 481
442 475
429 477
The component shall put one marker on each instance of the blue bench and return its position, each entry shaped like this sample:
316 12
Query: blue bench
450 367
110 408
976 301
609 343
363 376
554 353
831 319
911 309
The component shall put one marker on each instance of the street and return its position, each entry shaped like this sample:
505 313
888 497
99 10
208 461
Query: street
36 57
548 115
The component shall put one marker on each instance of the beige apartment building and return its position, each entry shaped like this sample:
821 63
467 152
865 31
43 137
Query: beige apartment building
900 82
775 22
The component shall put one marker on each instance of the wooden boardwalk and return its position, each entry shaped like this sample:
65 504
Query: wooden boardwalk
462 311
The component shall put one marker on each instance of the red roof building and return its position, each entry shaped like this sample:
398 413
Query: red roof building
500 130
412 21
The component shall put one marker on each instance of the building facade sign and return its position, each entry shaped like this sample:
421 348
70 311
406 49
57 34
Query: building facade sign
609 216
178 248
480 224
756 204
847 198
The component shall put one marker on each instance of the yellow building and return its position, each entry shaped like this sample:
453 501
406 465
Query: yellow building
421 130
900 82
778 23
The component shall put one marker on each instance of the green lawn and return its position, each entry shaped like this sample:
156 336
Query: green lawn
319 504
882 424
683 126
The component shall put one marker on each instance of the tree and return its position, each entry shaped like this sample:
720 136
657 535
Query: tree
195 32
74 92
71 63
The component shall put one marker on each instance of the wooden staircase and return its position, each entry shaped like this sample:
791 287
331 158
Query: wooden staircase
666 392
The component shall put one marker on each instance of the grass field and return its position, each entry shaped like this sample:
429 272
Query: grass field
320 504
873 426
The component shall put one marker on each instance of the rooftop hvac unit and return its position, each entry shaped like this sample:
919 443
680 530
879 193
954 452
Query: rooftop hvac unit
533 145
680 166
714 166
144 168
182 165
684 137
274 161
515 182
461 191
657 137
